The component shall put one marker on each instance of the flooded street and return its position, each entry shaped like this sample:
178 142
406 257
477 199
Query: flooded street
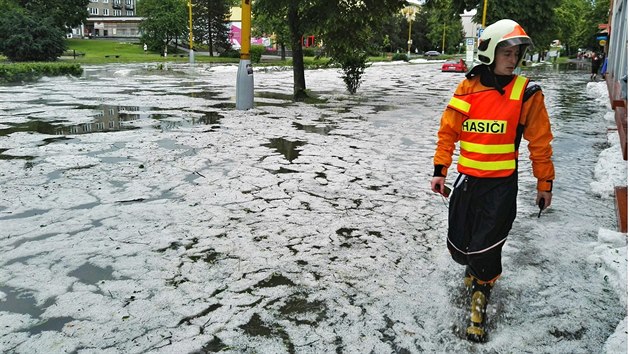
139 212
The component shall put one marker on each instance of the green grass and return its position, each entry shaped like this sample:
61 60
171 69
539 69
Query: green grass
98 51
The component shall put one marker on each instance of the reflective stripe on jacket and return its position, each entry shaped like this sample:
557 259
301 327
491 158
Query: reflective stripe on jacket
488 133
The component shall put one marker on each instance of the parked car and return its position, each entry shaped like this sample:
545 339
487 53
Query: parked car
432 53
455 66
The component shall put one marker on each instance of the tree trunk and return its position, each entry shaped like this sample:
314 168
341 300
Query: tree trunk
210 40
299 81
210 43
283 51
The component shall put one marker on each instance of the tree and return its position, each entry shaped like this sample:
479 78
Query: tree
396 31
536 17
164 21
26 37
350 48
35 29
265 25
597 14
344 27
571 22
64 14
209 23
299 15
444 25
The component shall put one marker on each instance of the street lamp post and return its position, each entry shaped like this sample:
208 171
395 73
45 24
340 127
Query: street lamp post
443 37
485 9
191 52
410 15
245 74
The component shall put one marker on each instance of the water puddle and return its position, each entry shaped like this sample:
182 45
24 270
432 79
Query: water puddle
274 95
25 214
281 170
22 301
317 129
35 126
91 274
4 156
290 149
208 95
55 324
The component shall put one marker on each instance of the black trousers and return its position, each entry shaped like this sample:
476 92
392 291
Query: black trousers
481 213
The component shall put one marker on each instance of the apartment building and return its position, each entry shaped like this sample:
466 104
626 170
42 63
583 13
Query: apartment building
111 19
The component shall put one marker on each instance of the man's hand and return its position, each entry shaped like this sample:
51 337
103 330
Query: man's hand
546 196
437 185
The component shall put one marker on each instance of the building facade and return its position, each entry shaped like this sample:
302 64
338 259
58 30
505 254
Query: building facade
111 19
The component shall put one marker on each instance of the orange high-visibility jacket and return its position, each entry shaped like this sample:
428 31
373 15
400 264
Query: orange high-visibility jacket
485 124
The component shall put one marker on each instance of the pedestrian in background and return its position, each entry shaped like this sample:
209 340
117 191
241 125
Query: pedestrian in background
489 113
604 66
596 61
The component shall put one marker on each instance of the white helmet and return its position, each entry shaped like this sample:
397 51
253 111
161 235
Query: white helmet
499 34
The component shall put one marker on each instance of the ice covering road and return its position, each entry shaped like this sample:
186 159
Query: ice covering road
141 213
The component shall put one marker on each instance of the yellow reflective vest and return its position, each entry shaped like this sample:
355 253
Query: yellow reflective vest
487 139
485 124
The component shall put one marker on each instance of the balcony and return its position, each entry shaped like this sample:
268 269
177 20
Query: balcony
129 6
117 5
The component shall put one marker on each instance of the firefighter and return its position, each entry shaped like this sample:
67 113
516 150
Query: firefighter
489 113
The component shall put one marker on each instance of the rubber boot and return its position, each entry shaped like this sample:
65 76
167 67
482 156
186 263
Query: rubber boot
468 279
476 332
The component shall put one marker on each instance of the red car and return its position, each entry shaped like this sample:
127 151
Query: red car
455 66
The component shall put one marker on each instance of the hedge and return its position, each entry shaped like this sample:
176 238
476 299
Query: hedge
18 72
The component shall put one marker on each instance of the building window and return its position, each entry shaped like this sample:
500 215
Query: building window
105 12
117 12
105 1
93 0
129 13
93 11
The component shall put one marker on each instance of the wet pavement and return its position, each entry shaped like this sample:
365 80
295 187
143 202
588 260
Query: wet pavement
140 212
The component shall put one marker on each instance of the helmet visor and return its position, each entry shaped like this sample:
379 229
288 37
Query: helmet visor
509 42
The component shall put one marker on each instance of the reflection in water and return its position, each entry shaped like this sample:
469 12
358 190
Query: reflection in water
286 147
205 94
30 126
110 118
208 118
318 129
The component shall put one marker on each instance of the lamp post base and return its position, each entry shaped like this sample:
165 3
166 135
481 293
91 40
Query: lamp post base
245 85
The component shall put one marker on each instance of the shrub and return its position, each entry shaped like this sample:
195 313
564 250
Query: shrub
230 53
256 52
308 52
400 56
353 66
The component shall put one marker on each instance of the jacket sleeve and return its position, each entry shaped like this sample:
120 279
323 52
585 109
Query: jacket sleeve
448 135
538 133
